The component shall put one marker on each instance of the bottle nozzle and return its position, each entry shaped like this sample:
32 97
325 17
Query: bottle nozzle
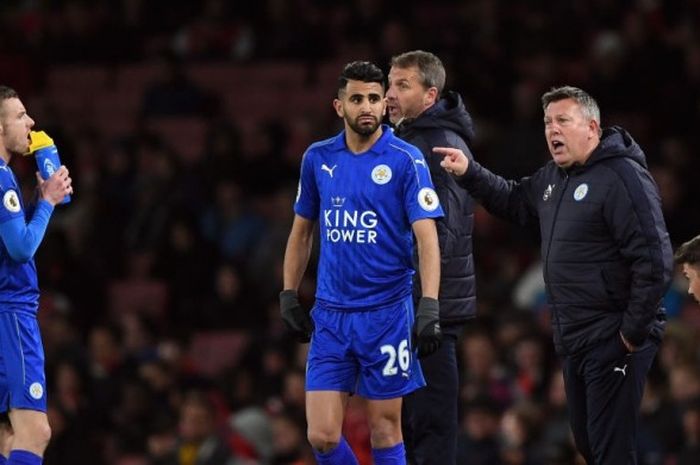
38 140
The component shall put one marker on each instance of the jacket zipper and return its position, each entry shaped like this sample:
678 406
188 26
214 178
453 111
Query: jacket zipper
546 261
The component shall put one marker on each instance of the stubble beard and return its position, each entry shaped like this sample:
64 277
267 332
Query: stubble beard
363 129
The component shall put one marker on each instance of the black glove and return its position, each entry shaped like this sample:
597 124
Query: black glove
297 320
427 335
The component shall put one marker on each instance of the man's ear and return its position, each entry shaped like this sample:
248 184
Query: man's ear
594 127
430 97
338 105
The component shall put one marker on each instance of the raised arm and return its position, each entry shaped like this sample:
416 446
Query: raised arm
22 238
510 200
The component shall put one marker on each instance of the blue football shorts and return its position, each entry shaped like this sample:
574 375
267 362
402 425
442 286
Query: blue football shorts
368 353
22 379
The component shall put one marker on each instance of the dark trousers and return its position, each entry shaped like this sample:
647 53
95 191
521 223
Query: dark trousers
430 414
604 388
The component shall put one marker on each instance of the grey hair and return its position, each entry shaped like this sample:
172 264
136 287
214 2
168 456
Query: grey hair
589 107
430 67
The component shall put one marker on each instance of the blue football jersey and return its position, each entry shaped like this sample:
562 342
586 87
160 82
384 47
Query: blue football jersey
365 204
19 288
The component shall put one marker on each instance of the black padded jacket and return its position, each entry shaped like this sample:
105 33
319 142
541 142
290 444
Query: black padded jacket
606 252
448 124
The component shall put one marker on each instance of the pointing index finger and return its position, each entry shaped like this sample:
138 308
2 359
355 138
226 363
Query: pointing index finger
443 150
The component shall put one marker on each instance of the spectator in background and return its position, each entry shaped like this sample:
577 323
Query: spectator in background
172 93
484 377
288 445
478 442
530 368
688 256
426 117
679 347
22 228
690 455
198 441
556 433
230 223
186 262
228 305
520 428
606 269
684 382
660 430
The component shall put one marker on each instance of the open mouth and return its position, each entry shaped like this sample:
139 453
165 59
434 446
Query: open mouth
557 145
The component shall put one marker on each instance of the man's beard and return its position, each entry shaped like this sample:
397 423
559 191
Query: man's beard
17 150
363 129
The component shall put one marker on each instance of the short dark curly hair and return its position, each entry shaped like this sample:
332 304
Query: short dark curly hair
361 71
689 252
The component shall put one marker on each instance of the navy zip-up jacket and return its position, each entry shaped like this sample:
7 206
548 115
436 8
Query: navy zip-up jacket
448 124
606 252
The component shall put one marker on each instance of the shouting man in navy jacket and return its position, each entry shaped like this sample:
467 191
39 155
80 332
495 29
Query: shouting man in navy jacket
607 263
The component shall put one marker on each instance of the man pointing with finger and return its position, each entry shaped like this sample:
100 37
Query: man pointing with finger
607 263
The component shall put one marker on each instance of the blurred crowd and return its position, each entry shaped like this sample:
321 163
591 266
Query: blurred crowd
160 279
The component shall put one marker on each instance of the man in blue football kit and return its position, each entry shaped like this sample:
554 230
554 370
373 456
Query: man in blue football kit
370 192
22 379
